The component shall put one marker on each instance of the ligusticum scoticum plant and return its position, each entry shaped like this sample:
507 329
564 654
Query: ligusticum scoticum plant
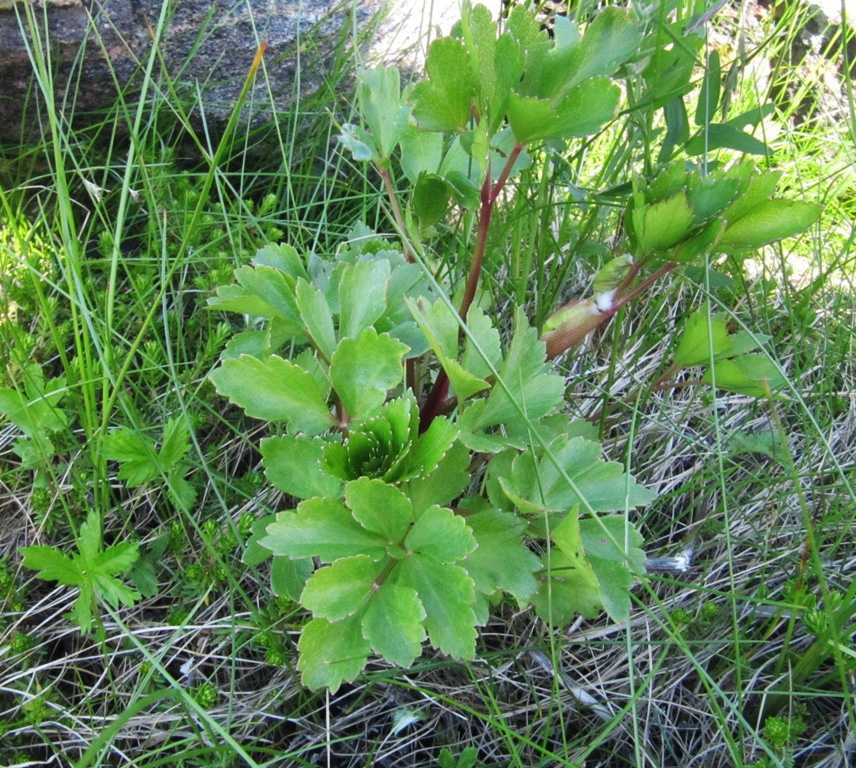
392 400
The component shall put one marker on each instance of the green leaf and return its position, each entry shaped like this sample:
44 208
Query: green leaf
745 375
117 558
288 577
114 591
677 128
592 568
723 136
81 611
524 372
482 338
379 508
710 195
445 484
755 188
599 486
441 534
275 390
359 142
752 116
181 492
430 199
267 292
768 222
613 538
440 327
176 442
582 111
340 589
664 224
392 623
316 317
282 257
293 465
145 578
501 561
321 528
565 591
443 102
254 552
52 565
708 99
446 593
421 152
332 653
379 94
697 343
89 540
363 370
362 295
431 447
609 41
136 453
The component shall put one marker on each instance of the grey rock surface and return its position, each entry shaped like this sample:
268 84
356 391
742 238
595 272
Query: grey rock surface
92 48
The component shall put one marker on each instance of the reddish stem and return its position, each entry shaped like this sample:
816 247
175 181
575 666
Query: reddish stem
560 341
436 399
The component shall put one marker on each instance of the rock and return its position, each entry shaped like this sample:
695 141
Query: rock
207 48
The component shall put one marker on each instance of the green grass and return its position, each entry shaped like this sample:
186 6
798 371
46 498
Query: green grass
106 290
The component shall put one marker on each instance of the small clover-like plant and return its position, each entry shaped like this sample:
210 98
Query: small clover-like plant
386 399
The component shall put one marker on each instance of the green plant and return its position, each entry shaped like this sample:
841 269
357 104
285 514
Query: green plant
383 449
92 570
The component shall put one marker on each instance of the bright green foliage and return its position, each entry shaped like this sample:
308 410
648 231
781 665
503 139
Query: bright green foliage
92 570
393 575
384 402
363 370
34 409
682 215
142 462
706 339
590 568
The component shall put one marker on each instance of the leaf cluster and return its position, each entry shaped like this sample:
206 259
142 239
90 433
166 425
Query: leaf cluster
385 548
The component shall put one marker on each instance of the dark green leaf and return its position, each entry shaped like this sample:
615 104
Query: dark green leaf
708 99
288 577
723 136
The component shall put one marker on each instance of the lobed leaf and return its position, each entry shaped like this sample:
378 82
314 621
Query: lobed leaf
332 653
293 464
363 370
276 390
341 589
321 528
393 623
440 534
446 593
